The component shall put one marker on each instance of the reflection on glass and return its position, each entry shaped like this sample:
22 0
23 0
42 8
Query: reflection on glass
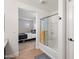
49 32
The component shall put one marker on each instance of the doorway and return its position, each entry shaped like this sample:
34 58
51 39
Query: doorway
27 29
27 34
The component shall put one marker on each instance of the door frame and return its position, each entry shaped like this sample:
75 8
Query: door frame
30 8
62 29
69 35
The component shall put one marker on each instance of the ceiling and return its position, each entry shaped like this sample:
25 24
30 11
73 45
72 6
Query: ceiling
49 5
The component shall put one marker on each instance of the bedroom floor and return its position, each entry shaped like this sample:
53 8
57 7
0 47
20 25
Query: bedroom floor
30 44
28 51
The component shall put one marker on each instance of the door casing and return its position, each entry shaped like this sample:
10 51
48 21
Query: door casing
69 29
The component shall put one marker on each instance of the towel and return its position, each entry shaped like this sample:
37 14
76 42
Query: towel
42 37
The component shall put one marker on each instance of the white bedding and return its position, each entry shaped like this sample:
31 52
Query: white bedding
30 35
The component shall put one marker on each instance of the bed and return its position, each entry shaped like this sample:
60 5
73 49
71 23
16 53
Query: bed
26 36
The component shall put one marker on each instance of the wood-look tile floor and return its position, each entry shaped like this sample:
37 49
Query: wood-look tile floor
28 51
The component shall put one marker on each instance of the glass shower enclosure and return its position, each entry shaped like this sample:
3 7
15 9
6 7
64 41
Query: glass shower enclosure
49 31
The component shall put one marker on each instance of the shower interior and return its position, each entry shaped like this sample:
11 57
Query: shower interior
49 31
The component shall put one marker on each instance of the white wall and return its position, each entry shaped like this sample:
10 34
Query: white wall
26 6
26 14
11 27
49 5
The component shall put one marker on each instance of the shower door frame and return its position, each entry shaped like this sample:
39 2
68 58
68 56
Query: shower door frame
61 53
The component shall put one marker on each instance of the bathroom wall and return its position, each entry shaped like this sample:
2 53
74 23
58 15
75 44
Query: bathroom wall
11 27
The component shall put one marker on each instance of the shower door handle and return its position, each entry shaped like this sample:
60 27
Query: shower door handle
60 18
70 39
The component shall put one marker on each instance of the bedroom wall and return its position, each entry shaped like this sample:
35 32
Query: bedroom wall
25 26
26 20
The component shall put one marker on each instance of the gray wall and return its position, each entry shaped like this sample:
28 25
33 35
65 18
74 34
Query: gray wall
24 27
26 17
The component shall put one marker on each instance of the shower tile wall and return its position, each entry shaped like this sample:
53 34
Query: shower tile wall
53 32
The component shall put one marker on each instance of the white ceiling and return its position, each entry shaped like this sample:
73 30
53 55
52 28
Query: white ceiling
49 5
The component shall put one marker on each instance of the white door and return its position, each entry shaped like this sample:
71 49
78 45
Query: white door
70 29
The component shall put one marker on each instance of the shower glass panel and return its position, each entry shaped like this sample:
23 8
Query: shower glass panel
49 32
